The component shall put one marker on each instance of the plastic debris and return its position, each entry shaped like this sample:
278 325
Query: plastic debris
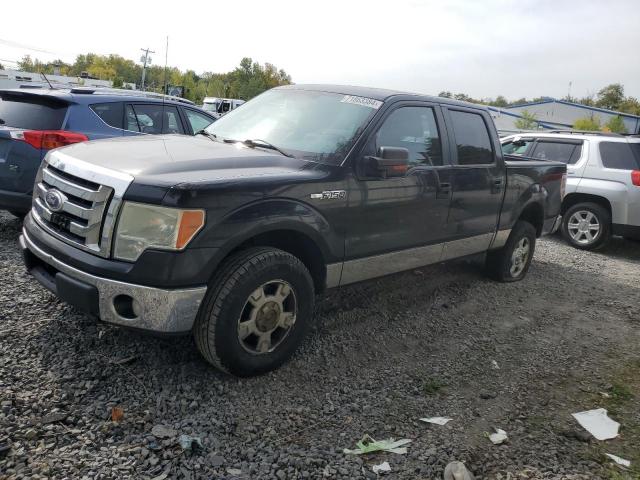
495 365
383 467
437 420
457 471
234 471
188 442
368 445
597 423
500 436
618 460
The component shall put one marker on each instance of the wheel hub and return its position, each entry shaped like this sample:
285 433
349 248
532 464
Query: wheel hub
268 316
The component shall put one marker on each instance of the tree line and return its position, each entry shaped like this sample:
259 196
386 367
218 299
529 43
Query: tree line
247 80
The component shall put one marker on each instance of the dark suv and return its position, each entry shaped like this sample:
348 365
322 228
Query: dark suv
34 121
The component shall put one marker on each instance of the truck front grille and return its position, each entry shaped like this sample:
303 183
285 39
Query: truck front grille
72 206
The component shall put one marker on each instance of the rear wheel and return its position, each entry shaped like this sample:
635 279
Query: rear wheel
587 226
511 262
256 312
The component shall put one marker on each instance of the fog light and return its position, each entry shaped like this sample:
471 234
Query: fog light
126 307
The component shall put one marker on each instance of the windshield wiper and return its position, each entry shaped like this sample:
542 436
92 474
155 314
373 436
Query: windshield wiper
211 136
264 144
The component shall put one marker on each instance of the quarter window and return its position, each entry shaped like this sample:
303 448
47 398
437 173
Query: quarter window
153 119
415 129
472 138
110 113
557 151
620 155
197 120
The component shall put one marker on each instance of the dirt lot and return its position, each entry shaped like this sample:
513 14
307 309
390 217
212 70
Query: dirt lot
384 354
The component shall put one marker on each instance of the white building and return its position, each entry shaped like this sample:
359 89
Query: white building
558 114
18 79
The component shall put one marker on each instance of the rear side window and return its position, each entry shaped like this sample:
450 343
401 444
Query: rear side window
32 112
557 151
472 138
620 155
153 119
110 113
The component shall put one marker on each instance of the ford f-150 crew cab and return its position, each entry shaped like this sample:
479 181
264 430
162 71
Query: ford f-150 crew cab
229 235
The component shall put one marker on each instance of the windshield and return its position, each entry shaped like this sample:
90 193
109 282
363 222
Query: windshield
316 126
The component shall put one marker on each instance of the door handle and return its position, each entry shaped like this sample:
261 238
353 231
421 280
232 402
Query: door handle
496 187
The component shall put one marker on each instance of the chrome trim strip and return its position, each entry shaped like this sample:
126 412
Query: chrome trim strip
387 263
399 261
167 311
501 238
466 246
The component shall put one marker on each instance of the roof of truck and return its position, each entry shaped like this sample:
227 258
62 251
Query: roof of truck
381 94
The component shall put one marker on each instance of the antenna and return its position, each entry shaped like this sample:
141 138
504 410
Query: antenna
45 77
164 94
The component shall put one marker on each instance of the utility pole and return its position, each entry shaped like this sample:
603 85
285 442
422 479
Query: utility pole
145 59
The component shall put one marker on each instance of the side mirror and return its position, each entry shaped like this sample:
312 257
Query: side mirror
389 162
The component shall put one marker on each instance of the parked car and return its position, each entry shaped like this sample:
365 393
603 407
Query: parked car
34 121
603 186
229 235
220 106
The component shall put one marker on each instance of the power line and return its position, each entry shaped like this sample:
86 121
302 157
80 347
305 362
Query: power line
144 59
11 43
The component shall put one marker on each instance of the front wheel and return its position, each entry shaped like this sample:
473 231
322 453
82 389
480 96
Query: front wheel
511 263
256 312
586 226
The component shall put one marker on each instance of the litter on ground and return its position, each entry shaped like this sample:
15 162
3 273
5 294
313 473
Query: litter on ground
495 365
597 423
188 442
437 420
500 436
457 471
383 467
618 460
368 445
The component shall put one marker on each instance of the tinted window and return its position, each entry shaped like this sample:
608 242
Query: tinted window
415 129
518 147
197 120
154 119
131 120
620 155
472 138
557 151
32 112
110 113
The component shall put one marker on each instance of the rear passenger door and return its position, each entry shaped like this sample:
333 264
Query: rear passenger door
477 181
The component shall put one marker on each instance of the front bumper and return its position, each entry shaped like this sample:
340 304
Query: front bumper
120 303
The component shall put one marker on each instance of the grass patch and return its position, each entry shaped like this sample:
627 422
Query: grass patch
432 386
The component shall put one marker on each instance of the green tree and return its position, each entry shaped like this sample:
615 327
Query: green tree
630 105
616 125
527 121
500 101
590 123
445 94
611 96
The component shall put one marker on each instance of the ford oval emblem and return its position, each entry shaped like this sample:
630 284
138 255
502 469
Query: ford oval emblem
54 200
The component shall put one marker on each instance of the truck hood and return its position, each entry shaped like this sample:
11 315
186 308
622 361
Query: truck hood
170 160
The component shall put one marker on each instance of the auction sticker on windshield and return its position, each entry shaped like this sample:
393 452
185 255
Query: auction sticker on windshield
364 101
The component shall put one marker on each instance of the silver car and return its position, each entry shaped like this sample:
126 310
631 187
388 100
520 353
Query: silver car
603 185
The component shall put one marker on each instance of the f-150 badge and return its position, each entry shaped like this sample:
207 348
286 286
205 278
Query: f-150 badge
330 195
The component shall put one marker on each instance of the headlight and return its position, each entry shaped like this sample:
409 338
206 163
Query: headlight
149 226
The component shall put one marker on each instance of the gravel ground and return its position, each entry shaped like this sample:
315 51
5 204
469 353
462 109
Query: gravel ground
384 354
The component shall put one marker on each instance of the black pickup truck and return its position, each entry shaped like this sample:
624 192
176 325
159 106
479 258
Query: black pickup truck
229 235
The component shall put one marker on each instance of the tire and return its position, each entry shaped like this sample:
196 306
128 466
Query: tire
511 262
586 226
268 285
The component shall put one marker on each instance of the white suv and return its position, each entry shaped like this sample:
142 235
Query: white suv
603 184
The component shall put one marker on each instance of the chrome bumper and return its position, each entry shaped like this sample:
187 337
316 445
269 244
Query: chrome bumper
155 309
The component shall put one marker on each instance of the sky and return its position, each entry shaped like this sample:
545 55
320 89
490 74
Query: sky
484 48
